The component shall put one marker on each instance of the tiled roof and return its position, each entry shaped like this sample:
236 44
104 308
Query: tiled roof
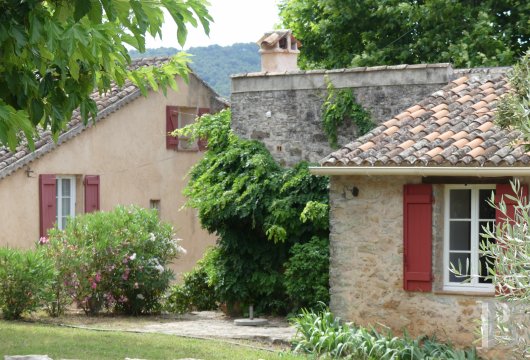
452 127
107 103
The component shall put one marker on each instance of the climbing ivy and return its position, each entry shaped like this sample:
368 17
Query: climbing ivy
340 106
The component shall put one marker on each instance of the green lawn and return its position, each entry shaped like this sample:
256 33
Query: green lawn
18 338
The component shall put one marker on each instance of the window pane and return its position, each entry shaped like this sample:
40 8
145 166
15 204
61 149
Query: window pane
485 261
485 210
66 187
460 235
460 204
485 225
460 262
66 207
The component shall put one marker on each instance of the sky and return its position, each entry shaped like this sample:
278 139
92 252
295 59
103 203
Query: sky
235 21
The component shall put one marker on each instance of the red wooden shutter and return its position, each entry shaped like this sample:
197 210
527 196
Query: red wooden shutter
91 193
500 192
172 123
417 237
203 143
47 203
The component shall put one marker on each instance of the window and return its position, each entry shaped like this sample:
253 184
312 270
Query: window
187 116
466 213
178 117
65 197
155 204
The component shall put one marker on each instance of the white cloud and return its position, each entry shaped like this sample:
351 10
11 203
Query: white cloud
235 21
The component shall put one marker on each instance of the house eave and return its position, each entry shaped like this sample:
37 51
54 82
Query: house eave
420 171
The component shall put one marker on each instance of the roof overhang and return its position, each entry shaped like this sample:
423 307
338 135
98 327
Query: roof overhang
420 171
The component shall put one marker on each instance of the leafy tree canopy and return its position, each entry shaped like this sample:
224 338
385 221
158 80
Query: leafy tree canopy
514 108
56 52
258 209
343 33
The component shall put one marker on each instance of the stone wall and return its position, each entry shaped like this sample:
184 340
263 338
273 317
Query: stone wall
284 110
366 268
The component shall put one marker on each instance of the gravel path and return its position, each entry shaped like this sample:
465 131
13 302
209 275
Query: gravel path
205 324
213 324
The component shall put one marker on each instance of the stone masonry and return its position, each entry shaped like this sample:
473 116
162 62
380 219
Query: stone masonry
366 264
283 110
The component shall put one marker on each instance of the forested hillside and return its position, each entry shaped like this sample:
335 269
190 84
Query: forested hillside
214 63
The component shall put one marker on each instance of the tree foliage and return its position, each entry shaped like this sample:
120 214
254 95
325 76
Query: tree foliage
343 33
214 63
508 247
514 108
56 52
255 207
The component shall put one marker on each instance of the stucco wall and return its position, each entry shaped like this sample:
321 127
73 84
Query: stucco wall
366 270
128 150
283 110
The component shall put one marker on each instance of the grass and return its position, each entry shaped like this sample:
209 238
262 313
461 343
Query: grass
18 338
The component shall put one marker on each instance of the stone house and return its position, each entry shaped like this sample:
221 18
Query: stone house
410 198
124 158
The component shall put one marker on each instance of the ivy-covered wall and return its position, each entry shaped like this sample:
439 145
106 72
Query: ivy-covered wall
284 111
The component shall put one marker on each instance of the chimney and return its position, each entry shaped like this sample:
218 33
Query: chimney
279 51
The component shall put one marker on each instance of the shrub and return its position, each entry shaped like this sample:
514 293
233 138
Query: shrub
25 277
117 260
307 273
322 334
197 291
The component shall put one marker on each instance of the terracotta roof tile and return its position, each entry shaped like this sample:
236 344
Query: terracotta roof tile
418 113
453 126
460 80
391 130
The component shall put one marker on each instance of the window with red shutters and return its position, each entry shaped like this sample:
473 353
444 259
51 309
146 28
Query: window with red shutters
91 193
417 237
203 143
172 123
47 203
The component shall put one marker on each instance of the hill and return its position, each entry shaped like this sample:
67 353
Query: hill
214 63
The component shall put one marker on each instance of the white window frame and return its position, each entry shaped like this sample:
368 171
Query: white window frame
58 198
473 285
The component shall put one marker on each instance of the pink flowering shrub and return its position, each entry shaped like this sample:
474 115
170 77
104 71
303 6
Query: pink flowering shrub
114 260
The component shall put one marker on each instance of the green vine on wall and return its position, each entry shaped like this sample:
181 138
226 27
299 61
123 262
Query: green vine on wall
339 106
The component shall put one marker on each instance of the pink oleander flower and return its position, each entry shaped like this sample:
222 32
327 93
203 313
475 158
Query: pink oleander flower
125 275
94 285
97 277
44 240
123 299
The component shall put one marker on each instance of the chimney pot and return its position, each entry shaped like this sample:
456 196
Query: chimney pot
279 51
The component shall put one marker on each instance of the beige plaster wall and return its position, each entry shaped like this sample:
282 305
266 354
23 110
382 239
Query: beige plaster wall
127 149
366 270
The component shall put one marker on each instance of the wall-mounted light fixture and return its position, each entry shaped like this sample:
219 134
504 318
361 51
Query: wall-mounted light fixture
355 191
28 172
